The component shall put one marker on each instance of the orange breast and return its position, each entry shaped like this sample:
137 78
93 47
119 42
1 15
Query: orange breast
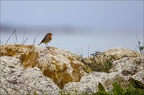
50 37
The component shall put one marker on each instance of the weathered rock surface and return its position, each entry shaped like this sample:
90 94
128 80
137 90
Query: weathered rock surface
103 61
119 53
126 65
15 80
27 68
61 66
89 83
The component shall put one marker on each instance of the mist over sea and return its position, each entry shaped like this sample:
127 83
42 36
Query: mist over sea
82 42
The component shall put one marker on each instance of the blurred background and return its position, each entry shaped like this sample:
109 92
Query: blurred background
81 27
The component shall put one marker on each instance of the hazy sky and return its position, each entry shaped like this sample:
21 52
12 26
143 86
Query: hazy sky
98 14
115 22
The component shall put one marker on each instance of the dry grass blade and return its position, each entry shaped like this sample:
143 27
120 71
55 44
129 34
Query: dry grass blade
35 38
24 40
15 37
10 36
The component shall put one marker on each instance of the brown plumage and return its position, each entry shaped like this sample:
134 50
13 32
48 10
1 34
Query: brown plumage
46 39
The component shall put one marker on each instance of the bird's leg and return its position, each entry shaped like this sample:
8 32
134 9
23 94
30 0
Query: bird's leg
47 46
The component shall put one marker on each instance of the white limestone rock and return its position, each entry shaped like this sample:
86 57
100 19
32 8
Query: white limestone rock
119 53
122 70
17 81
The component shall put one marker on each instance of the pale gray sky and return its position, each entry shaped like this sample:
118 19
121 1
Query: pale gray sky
99 14
114 23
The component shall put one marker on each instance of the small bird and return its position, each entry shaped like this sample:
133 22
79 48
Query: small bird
46 39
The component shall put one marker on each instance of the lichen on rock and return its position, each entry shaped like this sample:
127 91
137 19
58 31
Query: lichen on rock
127 61
103 61
25 69
60 65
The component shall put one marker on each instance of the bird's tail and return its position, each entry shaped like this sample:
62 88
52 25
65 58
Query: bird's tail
39 44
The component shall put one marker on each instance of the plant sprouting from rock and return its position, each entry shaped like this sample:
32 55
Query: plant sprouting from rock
98 62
